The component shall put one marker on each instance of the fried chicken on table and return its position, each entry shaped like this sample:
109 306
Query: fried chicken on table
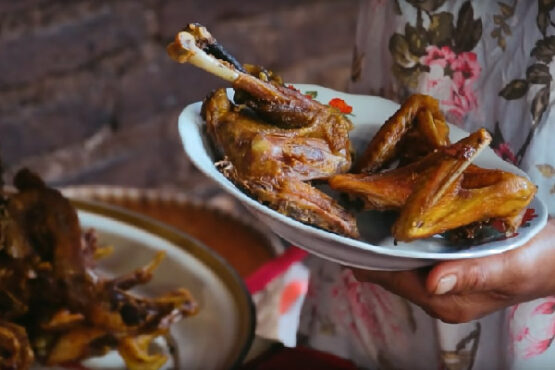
273 139
54 307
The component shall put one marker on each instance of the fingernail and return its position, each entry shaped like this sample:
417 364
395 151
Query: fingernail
446 284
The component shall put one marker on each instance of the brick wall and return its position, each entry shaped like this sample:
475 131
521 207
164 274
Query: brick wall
88 95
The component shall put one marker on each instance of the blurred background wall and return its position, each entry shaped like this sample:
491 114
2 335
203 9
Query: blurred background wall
88 94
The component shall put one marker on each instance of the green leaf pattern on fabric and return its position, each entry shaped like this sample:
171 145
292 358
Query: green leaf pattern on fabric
501 28
546 170
536 74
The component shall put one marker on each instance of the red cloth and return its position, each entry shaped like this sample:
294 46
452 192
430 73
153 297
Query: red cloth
299 358
267 272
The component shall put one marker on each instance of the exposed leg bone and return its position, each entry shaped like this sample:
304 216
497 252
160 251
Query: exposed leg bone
275 103
184 49
211 46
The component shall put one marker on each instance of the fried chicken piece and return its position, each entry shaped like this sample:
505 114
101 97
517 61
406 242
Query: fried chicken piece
135 352
383 191
271 164
435 188
389 190
274 138
298 200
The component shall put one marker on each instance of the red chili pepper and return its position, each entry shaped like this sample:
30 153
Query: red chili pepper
292 87
341 105
308 94
529 215
499 225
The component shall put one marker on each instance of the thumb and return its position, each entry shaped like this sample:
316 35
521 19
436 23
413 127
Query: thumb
467 276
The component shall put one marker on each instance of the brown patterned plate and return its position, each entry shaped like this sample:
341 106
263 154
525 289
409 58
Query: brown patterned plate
243 244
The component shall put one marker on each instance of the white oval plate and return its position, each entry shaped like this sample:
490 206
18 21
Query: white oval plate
376 249
219 336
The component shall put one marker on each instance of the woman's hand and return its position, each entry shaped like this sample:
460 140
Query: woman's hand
464 290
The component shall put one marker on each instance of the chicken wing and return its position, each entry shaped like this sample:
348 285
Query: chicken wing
417 128
440 191
445 198
389 190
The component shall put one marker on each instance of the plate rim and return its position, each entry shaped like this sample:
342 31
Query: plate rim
198 124
105 193
188 244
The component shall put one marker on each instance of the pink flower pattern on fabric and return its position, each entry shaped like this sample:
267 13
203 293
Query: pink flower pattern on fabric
442 57
377 319
451 78
532 333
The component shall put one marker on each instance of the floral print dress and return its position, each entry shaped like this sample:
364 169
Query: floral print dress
489 64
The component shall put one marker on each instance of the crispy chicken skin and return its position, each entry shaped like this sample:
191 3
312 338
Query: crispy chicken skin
442 200
503 199
389 190
260 149
417 128
272 164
